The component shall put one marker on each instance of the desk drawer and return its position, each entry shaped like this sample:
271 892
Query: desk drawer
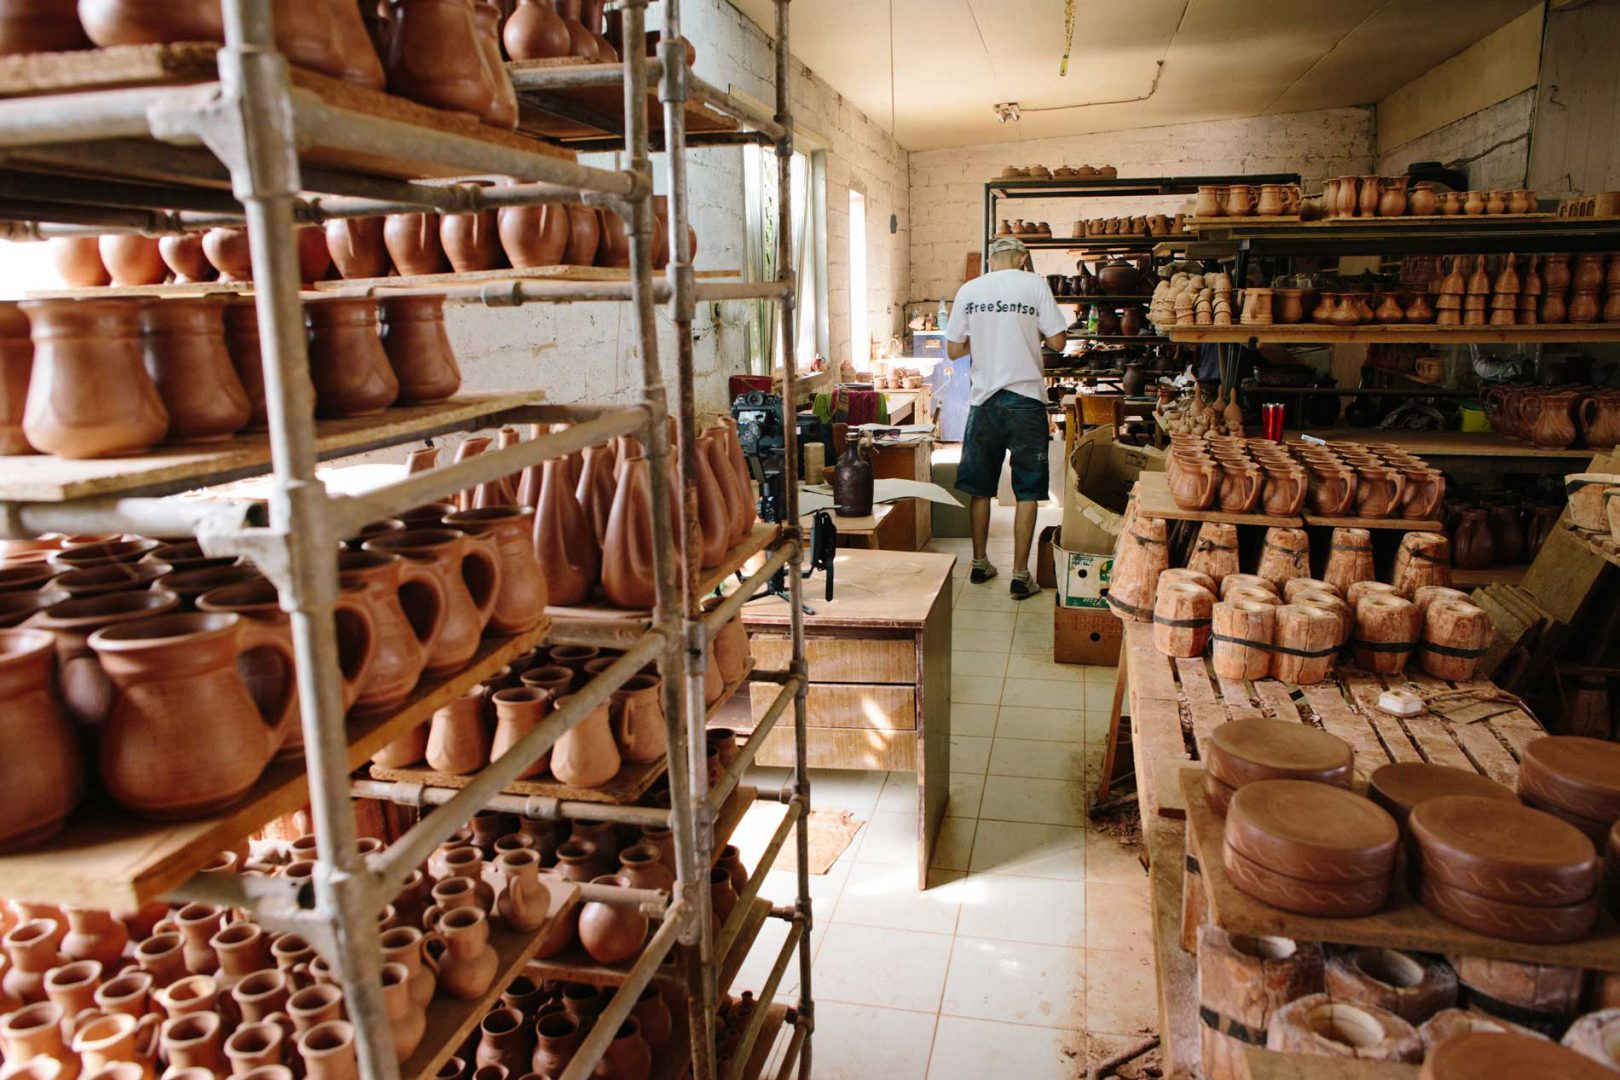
870 706
843 660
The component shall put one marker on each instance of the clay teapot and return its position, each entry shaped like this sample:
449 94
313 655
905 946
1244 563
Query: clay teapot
185 737
469 572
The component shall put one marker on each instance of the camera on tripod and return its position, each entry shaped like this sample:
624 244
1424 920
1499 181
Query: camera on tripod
764 444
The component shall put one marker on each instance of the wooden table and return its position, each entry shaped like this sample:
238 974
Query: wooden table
911 525
880 674
857 532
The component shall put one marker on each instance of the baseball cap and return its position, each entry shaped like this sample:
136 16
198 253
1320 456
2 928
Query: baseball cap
1001 245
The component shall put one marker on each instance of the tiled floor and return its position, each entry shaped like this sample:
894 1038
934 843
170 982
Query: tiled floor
1032 948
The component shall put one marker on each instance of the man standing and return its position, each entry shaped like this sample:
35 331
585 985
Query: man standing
1002 318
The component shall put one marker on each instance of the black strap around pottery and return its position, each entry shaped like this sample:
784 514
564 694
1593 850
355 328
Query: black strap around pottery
1307 654
1413 553
1450 650
1349 547
1548 1023
1236 1029
1185 624
1140 539
1384 646
1130 609
1210 545
1192 864
1296 552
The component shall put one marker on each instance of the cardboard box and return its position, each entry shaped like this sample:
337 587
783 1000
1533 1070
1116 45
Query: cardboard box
1045 572
950 521
1097 485
1086 636
1081 579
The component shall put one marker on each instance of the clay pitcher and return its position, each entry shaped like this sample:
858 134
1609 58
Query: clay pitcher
406 603
413 244
469 574
534 31
1600 420
596 487
534 235
418 348
42 786
347 363
563 538
471 241
715 519
518 711
1193 481
714 443
521 602
1553 427
627 547
1239 488
1424 490
183 342
185 737
1283 494
468 966
503 104
434 56
1332 490
89 394
16 366
587 755
356 246
638 715
133 259
1379 492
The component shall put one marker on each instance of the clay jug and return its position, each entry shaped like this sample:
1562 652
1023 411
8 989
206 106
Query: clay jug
41 787
731 652
106 1040
183 254
1283 493
1332 490
534 235
328 1051
584 236
356 246
403 945
628 1056
1507 534
1472 547
582 41
1239 488
469 573
413 243
1600 420
1553 427
596 488
418 348
37 26
89 394
852 482
469 963
557 1037
35 1031
230 252
78 262
132 259
185 737
587 755
1379 492
627 546
183 342
503 106
1392 196
611 933
613 248
714 442
434 56
242 342
522 900
638 715
1239 200
1424 490
713 512
94 935
471 242
1193 481
355 58
347 363
518 711
534 31
1422 200
521 601
563 538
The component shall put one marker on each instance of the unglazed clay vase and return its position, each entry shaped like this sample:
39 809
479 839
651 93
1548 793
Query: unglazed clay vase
434 56
230 253
503 106
518 711
469 963
36 26
611 933
521 601
347 364
89 394
596 487
158 755
42 786
557 1037
471 241
582 41
328 1051
457 741
16 366
715 518
469 575
356 246
730 643
613 248
413 244
563 538
151 22
357 60
183 254
534 235
132 259
584 236
638 715
78 262
627 547
183 342
418 348
242 342
534 31
587 754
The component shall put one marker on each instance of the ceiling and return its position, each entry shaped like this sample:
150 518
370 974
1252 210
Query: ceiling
954 59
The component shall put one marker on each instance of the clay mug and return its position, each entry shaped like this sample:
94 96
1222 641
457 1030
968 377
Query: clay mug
521 601
86 690
1332 490
185 737
408 606
1379 491
1284 492
469 572
1239 200
1425 487
1193 482
1272 202
1240 488
1208 202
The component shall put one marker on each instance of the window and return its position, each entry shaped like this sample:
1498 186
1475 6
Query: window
860 338
807 180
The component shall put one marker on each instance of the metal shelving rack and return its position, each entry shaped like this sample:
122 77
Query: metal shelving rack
255 125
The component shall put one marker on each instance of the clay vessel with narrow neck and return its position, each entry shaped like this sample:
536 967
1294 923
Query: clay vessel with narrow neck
183 342
347 363
434 56
627 546
563 538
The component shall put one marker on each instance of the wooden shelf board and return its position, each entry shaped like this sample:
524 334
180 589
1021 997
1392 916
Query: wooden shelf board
629 785
1153 499
193 63
167 469
1373 333
1271 1065
427 283
1601 546
1491 575
1405 924
451 1020
1403 524
1404 223
560 113
593 621
1447 443
747 933
106 858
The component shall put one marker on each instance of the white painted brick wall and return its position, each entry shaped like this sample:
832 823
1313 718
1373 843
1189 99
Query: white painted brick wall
1491 145
947 192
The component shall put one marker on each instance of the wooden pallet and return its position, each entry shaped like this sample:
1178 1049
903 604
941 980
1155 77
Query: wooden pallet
168 469
1487 738
1404 924
632 781
589 112
106 858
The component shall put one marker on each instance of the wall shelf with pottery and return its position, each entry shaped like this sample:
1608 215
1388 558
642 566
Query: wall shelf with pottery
1375 333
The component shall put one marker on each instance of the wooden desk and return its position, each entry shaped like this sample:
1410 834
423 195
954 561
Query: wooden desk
911 525
880 674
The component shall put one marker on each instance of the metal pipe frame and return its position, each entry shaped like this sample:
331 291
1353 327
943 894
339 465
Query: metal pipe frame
796 939
515 292
790 1057
756 739
767 858
149 517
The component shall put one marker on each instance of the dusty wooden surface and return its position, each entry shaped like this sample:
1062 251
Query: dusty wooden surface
1175 972
1270 1065
871 589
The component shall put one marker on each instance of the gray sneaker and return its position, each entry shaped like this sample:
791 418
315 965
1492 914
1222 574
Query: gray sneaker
982 572
1023 587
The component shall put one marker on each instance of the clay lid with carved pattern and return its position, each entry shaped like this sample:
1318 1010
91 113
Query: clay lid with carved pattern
1503 851
1314 832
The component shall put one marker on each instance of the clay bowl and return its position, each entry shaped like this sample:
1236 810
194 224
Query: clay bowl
1337 900
1536 925
1401 786
1501 851
18 607
109 551
188 585
111 578
1244 751
27 577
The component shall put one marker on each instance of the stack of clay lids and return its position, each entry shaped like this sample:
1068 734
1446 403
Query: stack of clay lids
1505 870
1493 1055
1574 778
1402 785
1243 751
1310 848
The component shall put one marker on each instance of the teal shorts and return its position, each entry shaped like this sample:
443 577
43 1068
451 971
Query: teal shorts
1007 423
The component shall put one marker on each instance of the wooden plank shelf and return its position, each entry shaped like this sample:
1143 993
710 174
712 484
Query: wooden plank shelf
1271 1065
451 1020
1404 924
1153 499
1118 339
1447 443
1117 301
1403 524
1450 224
107 858
1375 334
168 469
589 112
629 785
589 624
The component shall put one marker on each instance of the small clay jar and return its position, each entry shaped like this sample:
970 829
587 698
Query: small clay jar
458 742
32 1039
94 935
183 344
356 246
260 994
162 956
1243 631
132 259
89 394
418 348
469 963
587 755
534 31
611 933
38 26
1455 637
413 244
434 56
230 252
78 262
328 1051
472 241
518 711
348 366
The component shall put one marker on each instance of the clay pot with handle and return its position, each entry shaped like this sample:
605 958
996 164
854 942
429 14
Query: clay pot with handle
183 343
1600 420
1472 547
1193 481
44 784
1284 492
1239 488
1553 426
185 737
1332 489
1379 491
407 605
520 602
469 573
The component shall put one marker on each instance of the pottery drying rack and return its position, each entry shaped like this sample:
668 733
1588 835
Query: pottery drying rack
1153 499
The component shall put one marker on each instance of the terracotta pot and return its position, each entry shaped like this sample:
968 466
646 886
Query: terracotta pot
1472 547
46 783
469 574
638 715
314 260
588 754
518 710
715 442
521 600
36 26
714 514
471 242
557 1037
162 956
413 244
328 1051
627 546
16 367
89 394
242 342
610 933
78 262
354 47
563 538
585 234
230 252
534 235
348 366
418 348
469 964
94 935
183 254
183 341
434 56
503 107
356 246
132 259
534 31
151 22
597 486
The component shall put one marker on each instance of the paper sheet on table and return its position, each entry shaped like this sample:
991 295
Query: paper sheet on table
820 497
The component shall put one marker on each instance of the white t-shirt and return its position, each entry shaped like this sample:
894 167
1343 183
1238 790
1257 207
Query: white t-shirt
1006 313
